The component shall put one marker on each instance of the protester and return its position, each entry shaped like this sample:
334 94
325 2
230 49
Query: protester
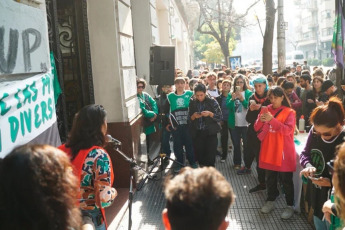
258 99
224 133
292 78
295 102
338 182
163 120
275 128
328 90
314 95
306 66
212 84
91 162
237 102
305 83
177 106
333 207
205 115
149 109
320 147
317 72
197 199
38 190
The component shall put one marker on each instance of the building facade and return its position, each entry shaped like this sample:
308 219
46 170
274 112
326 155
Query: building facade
314 27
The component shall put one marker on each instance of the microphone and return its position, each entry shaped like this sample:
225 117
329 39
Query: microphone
111 139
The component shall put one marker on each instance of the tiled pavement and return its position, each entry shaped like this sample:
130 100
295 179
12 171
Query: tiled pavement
243 214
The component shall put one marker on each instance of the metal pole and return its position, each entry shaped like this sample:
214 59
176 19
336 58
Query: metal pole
281 36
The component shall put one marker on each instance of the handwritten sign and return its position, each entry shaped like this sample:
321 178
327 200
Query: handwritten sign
24 46
27 109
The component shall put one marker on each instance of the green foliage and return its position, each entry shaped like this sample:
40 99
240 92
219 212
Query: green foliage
314 61
213 54
207 48
328 62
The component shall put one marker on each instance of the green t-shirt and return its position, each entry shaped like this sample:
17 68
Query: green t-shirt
179 105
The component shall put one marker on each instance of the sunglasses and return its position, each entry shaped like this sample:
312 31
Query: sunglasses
141 87
330 165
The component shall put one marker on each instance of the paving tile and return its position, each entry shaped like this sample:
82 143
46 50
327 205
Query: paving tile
244 213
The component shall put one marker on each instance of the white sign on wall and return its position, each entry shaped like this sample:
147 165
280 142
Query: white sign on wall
24 46
27 109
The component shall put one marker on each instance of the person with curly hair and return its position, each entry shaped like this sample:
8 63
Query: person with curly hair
38 190
91 163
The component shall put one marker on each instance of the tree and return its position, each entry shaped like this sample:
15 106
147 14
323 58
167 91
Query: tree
200 45
268 38
219 19
213 54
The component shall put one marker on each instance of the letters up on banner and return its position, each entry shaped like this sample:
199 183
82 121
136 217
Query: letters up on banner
27 109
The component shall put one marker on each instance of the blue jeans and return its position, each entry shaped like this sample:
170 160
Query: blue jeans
165 142
237 134
95 216
320 224
182 137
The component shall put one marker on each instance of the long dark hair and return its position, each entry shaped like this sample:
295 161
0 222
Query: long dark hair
279 92
87 129
38 190
240 76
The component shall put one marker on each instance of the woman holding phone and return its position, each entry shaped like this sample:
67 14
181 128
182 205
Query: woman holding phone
275 126
237 102
321 144
206 115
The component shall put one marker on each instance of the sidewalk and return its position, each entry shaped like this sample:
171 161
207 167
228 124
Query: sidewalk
244 213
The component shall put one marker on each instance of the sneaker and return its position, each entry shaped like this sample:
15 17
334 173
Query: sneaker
218 153
257 188
194 165
166 161
268 207
243 171
288 213
223 159
237 167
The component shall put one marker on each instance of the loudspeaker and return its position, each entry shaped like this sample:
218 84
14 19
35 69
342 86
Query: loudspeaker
162 65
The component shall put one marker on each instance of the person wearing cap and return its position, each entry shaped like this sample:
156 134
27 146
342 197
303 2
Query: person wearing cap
258 99
328 90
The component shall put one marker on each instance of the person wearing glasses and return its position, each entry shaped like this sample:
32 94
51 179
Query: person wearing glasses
327 133
149 109
237 102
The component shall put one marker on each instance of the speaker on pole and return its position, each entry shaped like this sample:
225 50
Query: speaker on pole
162 65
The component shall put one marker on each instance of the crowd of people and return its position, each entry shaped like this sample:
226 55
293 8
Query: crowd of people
204 108
42 187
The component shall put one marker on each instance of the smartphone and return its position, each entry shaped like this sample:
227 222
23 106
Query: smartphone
313 178
238 88
264 109
252 102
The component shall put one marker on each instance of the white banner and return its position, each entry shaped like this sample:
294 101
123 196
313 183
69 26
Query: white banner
27 109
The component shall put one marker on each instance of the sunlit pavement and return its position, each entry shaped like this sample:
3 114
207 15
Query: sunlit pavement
243 214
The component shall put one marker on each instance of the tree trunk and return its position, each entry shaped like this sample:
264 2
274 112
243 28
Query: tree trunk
225 51
268 38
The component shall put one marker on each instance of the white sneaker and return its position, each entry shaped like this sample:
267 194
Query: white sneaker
268 207
288 213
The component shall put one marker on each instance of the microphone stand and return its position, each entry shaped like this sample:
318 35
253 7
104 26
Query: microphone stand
133 166
159 159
